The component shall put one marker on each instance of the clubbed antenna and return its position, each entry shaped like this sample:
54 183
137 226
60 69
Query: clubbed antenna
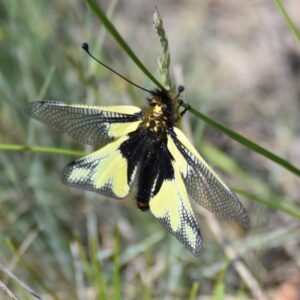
85 47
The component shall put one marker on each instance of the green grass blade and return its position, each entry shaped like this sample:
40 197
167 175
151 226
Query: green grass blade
99 281
220 286
194 291
246 142
287 19
288 208
113 31
17 147
116 272
46 83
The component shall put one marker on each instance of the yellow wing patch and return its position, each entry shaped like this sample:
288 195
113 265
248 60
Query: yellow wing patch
180 160
112 171
173 210
119 129
104 171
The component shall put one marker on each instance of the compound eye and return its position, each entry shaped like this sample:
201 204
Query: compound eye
166 108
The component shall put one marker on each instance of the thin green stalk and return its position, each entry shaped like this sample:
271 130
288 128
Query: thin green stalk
16 147
246 142
112 30
46 83
116 274
100 285
220 286
288 208
287 19
194 291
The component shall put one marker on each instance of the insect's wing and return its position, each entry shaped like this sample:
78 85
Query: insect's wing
202 183
106 171
170 205
92 125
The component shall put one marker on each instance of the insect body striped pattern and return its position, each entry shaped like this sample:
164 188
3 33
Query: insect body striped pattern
146 147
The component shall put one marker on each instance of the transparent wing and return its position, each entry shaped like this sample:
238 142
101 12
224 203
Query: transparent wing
93 125
105 171
202 183
171 207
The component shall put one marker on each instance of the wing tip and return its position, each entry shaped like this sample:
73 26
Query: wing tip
245 222
193 246
32 107
197 249
241 216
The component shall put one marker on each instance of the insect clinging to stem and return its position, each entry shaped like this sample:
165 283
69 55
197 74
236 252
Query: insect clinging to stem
143 146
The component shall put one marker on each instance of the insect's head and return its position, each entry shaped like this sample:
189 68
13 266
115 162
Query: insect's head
161 102
164 102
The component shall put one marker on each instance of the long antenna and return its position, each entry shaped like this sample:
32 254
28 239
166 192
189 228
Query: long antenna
85 47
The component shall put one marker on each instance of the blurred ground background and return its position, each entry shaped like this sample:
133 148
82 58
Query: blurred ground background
239 63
